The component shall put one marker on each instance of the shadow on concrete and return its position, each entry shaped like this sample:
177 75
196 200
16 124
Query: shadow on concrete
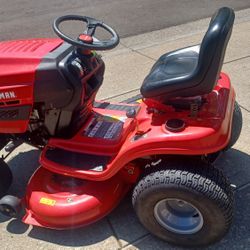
95 233
122 222
16 226
236 165
22 166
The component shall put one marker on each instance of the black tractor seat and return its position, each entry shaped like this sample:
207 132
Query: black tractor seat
191 71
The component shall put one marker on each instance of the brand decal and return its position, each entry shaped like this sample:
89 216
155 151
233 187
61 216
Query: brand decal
7 95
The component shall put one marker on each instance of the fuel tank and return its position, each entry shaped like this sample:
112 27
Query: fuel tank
18 63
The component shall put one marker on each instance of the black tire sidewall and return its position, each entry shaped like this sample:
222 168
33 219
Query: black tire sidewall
5 178
236 126
234 136
13 203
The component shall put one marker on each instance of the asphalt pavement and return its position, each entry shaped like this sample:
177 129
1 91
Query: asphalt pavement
33 18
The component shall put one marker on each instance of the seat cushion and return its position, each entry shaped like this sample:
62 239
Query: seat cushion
170 72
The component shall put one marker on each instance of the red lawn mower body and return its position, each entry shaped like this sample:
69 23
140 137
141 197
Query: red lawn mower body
51 204
93 152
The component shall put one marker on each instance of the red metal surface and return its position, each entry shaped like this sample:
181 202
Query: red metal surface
18 63
61 204
206 133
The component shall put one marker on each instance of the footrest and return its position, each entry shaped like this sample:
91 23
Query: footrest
115 106
81 161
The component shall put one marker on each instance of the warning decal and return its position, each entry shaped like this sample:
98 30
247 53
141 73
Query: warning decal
106 127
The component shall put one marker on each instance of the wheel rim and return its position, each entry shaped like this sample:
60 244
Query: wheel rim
7 210
178 216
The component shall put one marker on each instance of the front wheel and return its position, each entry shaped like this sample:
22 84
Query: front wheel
185 206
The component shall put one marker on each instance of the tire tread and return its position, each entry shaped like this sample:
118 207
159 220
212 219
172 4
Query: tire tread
208 180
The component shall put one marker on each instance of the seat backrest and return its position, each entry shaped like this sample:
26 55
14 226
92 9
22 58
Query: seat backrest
213 47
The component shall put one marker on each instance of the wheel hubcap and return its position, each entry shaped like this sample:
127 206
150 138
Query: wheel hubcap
178 216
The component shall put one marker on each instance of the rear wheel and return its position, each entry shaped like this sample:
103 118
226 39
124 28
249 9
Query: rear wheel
235 134
5 178
189 206
236 126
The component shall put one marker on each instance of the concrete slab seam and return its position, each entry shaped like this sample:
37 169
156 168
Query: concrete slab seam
242 187
138 240
114 232
248 111
137 51
237 59
118 95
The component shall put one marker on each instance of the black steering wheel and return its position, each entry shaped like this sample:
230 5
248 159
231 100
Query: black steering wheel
87 39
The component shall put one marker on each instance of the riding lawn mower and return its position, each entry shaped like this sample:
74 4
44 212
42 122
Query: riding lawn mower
160 145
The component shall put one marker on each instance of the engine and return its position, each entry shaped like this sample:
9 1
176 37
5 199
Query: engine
47 88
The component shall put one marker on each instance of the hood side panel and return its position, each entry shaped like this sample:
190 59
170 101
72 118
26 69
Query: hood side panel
19 61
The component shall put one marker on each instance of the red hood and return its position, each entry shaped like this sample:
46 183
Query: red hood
19 59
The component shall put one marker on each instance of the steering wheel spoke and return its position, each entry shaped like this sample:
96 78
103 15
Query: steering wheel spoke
90 29
91 26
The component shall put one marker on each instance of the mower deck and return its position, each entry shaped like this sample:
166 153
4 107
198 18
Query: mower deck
59 202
